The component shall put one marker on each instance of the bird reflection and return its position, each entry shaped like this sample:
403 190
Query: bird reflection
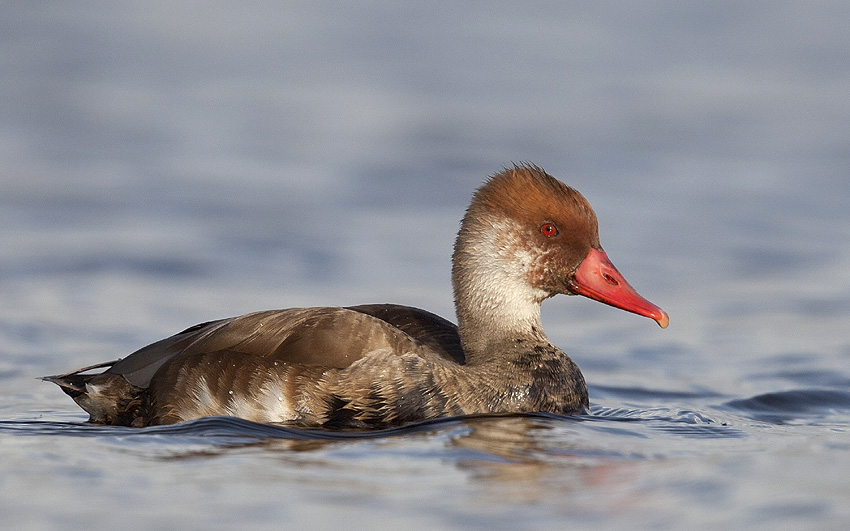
525 457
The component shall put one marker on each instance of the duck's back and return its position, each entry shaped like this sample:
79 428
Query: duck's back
269 366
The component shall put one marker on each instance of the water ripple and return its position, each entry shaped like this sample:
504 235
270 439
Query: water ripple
683 422
786 406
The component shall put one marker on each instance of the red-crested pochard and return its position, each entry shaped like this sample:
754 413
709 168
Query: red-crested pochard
525 237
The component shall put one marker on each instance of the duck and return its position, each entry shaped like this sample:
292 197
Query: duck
525 237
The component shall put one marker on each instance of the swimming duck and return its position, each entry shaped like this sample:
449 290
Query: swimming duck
525 237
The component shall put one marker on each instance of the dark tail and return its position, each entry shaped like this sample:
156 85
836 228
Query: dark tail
107 398
74 383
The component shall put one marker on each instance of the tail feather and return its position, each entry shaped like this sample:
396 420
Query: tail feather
107 398
74 381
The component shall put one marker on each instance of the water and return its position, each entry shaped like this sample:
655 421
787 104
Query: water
171 166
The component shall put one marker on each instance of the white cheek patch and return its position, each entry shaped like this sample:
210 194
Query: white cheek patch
504 263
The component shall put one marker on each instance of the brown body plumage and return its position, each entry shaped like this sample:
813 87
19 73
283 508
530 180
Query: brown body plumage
525 237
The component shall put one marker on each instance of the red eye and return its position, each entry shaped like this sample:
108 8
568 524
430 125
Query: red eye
549 230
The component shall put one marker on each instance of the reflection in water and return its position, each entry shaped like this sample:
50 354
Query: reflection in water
501 437
507 456
521 458
499 462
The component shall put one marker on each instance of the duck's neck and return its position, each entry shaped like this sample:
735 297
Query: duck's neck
494 300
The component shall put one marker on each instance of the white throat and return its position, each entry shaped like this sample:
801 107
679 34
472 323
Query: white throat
494 297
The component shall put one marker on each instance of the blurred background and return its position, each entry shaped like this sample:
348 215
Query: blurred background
168 163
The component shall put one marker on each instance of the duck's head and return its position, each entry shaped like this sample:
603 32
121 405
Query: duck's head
527 236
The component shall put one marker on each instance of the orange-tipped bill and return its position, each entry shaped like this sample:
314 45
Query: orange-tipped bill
598 279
